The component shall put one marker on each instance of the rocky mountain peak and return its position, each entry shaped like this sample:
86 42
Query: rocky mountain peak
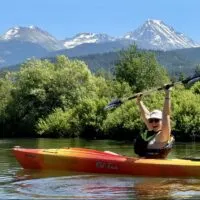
32 34
155 34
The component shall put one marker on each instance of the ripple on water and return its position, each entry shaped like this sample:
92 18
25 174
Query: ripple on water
76 187
106 187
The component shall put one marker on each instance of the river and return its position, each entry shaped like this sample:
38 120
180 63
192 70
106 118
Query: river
16 183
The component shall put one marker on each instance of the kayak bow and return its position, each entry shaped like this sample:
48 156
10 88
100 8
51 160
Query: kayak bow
94 161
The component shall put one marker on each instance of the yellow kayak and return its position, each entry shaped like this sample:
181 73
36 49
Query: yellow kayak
94 161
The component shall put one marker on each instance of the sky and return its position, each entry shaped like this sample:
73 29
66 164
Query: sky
65 18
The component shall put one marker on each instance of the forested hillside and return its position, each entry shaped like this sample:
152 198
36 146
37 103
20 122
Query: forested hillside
176 62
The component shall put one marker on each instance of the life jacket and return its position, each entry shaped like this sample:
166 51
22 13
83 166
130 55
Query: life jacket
141 146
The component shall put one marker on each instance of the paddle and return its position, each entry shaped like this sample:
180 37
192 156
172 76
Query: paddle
117 102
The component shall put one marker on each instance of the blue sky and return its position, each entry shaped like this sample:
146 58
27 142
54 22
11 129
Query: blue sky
65 18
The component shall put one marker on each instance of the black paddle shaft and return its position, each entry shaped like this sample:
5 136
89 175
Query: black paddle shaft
117 102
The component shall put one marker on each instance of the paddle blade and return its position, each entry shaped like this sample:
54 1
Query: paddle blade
113 104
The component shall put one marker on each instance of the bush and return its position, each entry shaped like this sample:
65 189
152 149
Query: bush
58 124
186 114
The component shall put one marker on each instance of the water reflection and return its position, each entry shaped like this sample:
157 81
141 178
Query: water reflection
26 174
92 186
167 189
77 187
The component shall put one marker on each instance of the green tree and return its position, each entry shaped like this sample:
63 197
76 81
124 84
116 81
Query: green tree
41 87
83 119
196 88
6 87
140 69
186 114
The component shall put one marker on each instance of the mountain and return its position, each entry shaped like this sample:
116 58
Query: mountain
83 38
152 35
92 48
12 52
155 34
34 35
20 43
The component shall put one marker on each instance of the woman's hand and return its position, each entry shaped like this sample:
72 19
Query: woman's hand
139 98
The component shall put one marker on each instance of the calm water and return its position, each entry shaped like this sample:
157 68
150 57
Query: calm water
16 183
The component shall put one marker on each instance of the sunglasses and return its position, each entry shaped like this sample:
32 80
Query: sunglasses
154 120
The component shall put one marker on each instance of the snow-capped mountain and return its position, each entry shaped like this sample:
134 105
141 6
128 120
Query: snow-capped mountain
83 38
20 43
155 34
34 35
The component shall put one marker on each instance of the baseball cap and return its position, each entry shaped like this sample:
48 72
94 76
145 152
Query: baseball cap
155 114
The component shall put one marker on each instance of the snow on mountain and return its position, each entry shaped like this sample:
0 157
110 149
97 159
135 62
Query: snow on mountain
32 34
10 34
20 43
83 38
155 34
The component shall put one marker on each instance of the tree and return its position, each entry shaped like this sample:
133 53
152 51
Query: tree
5 99
42 86
140 69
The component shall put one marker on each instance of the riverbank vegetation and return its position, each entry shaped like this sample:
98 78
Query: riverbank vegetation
64 99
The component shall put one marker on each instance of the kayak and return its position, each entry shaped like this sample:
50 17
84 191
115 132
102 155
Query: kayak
106 162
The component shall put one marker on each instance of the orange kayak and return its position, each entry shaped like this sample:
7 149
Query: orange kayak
94 161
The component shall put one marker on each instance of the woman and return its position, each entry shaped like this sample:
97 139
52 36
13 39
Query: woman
157 141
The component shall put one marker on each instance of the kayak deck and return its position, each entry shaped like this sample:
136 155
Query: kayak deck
94 161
